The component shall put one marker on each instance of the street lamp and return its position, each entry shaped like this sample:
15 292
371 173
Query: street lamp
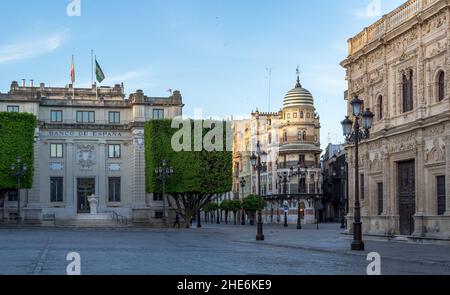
163 173
19 169
355 136
283 179
258 165
243 182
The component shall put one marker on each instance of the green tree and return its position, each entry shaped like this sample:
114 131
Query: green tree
235 206
252 204
226 206
16 140
198 175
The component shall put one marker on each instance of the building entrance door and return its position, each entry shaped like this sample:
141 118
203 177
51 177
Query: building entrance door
85 188
407 196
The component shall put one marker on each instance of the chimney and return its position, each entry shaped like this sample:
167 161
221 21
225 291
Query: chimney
24 82
32 83
14 85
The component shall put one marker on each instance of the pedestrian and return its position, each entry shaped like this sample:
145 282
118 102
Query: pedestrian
177 220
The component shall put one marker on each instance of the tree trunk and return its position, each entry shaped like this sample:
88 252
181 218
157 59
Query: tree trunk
226 216
234 217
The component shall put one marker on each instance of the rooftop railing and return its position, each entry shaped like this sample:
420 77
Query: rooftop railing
390 21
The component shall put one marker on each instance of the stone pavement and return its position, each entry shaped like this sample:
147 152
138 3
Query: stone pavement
213 249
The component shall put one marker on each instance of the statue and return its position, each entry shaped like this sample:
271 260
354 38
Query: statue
93 204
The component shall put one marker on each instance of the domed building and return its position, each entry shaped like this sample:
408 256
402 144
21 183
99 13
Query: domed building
290 142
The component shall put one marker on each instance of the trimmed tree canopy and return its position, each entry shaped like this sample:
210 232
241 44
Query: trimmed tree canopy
253 203
198 172
16 140
198 152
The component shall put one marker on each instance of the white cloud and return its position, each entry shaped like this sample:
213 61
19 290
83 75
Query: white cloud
28 49
129 76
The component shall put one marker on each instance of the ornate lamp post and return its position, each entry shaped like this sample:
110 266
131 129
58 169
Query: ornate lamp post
283 179
355 136
243 182
258 165
163 173
18 169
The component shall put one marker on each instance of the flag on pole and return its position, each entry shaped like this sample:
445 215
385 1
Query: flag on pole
98 72
72 71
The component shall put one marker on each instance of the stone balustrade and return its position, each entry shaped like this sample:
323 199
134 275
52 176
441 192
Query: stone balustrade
389 22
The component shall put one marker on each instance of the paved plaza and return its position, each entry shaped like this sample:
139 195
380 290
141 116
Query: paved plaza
211 250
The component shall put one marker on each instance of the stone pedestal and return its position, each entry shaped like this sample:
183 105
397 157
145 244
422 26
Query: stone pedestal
93 204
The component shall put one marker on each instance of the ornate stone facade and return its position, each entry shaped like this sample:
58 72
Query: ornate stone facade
89 141
291 139
405 165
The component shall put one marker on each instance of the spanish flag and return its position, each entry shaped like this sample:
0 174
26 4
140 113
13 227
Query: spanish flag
72 71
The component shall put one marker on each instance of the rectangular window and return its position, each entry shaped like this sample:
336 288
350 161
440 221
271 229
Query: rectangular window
85 117
56 150
158 114
12 109
380 198
114 151
13 196
114 117
114 189
361 186
56 116
441 203
157 197
56 189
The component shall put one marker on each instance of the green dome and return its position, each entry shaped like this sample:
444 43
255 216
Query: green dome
298 96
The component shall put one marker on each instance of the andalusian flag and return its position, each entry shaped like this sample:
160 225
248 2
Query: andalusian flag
72 71
98 72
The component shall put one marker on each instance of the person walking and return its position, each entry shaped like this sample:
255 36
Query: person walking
177 220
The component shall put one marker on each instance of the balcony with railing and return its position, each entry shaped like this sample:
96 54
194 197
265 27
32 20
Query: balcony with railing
308 139
389 22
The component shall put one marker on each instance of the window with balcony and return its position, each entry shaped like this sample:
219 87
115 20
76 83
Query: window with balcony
56 116
408 103
114 117
85 117
158 114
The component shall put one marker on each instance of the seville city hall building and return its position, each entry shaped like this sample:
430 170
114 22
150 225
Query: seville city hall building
400 67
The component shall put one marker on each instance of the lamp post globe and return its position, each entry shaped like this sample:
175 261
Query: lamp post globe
356 104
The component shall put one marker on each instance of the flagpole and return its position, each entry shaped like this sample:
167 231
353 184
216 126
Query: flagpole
92 67
73 82
96 88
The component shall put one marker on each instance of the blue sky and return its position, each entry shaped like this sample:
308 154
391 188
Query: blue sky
216 52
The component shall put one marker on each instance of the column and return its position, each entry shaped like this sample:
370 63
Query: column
69 179
101 185
420 176
138 172
447 175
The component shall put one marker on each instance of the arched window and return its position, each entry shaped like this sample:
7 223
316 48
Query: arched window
308 115
304 135
289 116
295 115
270 137
299 135
302 115
408 92
380 107
441 86
285 136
